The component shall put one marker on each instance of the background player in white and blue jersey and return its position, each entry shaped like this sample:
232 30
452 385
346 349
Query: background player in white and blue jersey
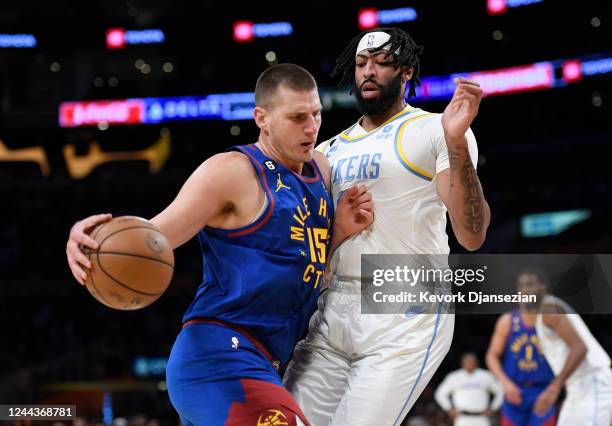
515 356
356 369
263 215
579 362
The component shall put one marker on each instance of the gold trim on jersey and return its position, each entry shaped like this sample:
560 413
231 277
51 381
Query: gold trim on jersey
406 111
399 151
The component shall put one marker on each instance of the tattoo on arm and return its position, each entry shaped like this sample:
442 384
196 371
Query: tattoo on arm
473 200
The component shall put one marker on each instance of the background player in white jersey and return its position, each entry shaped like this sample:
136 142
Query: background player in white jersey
465 394
577 359
356 369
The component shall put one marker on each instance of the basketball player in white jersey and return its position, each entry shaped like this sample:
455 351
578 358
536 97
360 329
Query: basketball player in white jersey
577 359
355 369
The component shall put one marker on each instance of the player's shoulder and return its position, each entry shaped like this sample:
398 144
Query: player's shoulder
331 143
456 373
552 305
420 115
429 123
319 157
228 165
503 323
228 159
324 146
321 160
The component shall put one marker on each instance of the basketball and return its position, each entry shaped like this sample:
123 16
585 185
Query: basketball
133 265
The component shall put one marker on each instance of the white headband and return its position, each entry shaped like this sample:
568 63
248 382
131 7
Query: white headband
374 40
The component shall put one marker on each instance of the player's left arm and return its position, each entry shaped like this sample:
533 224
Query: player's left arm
561 324
459 186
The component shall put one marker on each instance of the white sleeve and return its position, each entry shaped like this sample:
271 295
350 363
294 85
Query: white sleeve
444 391
497 391
435 132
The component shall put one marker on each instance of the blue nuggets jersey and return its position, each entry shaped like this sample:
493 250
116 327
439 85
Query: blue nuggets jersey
524 362
266 277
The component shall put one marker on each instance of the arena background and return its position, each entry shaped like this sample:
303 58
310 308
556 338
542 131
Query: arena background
544 148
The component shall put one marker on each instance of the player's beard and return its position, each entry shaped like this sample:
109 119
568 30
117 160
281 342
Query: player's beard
388 95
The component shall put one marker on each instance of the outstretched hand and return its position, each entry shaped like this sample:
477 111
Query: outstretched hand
78 239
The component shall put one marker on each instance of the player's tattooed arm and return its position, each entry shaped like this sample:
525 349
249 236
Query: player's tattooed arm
470 188
459 187
461 191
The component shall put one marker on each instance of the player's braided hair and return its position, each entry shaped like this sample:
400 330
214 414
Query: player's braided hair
409 55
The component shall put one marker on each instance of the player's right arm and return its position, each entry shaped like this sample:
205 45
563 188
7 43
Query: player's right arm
209 196
493 358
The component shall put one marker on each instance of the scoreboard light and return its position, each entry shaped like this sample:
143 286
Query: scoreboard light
370 17
118 38
243 31
519 79
17 40
246 31
498 7
115 38
597 66
239 106
123 111
572 71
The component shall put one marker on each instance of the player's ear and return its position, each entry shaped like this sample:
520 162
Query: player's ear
260 114
407 73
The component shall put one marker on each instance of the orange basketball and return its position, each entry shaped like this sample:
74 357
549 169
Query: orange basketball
133 264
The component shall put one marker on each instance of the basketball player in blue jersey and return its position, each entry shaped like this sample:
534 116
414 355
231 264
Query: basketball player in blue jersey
354 369
263 216
515 357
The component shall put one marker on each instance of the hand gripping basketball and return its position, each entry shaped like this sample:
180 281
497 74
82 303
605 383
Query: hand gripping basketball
130 263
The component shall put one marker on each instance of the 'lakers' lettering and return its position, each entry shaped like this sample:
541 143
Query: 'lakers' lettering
357 168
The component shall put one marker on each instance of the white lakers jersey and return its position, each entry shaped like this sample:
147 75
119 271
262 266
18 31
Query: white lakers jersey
398 163
556 350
